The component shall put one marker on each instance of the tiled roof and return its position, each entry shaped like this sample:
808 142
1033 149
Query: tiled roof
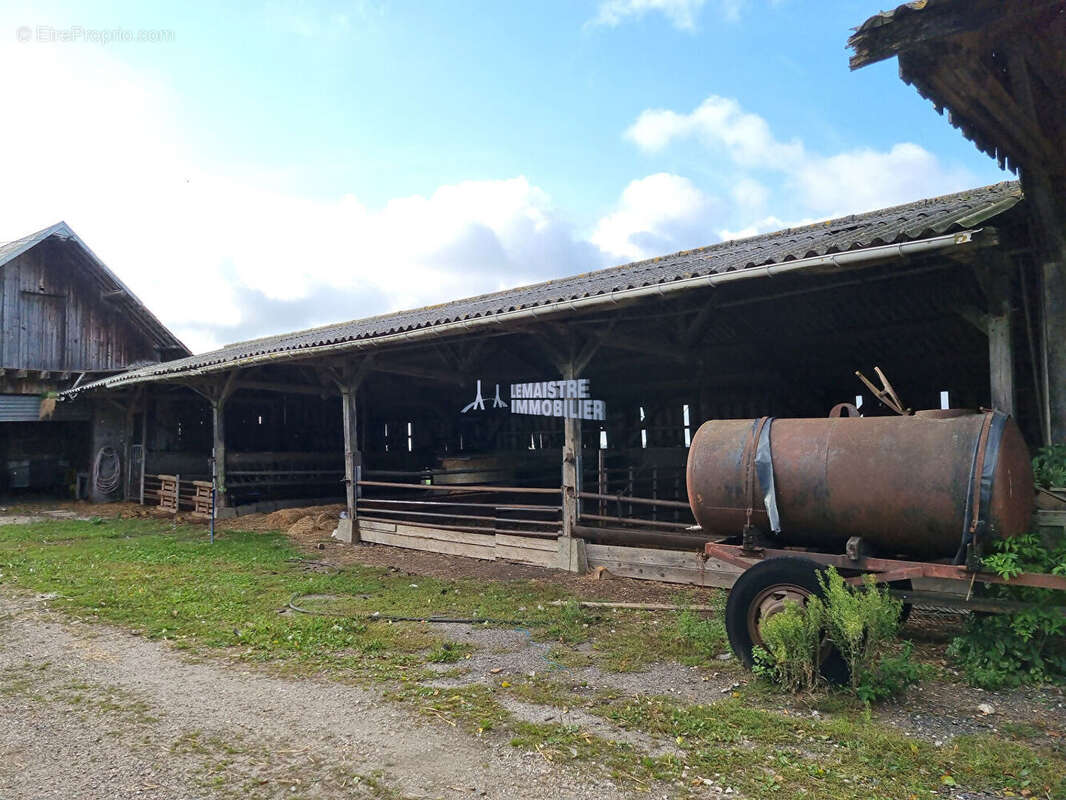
903 223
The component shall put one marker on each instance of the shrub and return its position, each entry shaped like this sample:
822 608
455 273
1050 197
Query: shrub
1049 466
891 676
792 639
860 623
1028 646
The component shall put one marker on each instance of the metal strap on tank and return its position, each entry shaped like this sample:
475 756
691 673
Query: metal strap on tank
987 461
982 472
749 468
764 466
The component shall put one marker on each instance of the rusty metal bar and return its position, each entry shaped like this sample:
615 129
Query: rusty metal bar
447 503
643 501
637 538
637 521
734 554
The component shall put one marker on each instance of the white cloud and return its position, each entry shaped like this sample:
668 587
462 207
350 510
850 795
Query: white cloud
682 14
719 123
219 257
222 253
809 183
657 214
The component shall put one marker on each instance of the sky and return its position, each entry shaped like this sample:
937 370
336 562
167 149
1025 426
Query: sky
270 166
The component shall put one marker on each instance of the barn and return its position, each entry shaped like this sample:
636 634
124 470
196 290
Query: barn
510 424
67 320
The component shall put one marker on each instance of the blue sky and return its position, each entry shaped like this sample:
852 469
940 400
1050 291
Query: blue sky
318 161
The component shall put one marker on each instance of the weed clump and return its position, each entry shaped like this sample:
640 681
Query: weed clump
859 623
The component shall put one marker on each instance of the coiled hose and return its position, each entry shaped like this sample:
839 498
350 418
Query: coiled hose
107 470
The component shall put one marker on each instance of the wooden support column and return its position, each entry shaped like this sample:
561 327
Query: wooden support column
348 530
1054 345
998 324
994 276
348 377
217 394
571 468
127 442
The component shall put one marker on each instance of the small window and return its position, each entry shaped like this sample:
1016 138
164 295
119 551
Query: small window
945 399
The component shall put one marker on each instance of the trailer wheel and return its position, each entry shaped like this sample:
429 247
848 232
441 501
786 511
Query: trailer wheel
762 591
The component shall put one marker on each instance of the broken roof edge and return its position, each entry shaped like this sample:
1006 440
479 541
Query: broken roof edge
9 251
852 258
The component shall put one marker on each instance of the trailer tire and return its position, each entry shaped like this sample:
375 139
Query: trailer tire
757 585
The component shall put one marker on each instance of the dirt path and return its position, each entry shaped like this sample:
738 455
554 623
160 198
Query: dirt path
92 712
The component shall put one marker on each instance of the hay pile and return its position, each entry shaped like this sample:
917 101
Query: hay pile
314 522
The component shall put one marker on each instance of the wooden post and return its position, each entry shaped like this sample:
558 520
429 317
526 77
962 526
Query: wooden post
1001 362
144 445
218 449
218 400
1054 345
571 465
601 482
348 379
348 530
995 279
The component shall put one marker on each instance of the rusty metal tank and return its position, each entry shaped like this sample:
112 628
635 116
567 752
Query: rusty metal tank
914 486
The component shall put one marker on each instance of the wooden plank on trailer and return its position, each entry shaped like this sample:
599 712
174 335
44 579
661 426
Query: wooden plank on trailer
410 542
662 565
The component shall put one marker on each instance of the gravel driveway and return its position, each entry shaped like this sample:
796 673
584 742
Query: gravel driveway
93 712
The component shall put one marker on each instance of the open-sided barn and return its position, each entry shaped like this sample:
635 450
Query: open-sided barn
567 407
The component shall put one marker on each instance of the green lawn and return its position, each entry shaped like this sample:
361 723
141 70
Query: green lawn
167 582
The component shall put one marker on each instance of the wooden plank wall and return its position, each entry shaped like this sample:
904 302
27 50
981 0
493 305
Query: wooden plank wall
670 566
53 317
531 550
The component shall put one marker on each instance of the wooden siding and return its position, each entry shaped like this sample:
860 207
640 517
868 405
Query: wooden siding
53 316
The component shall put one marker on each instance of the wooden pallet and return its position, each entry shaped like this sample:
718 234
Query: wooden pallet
168 493
201 499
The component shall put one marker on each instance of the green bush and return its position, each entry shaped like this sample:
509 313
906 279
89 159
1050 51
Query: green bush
891 676
1049 466
1028 646
792 639
861 623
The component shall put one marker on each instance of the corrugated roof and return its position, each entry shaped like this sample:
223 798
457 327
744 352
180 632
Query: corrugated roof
136 310
903 223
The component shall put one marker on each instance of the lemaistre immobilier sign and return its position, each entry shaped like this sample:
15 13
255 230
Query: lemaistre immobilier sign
570 399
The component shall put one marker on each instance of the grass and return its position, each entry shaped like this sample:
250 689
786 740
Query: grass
167 582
